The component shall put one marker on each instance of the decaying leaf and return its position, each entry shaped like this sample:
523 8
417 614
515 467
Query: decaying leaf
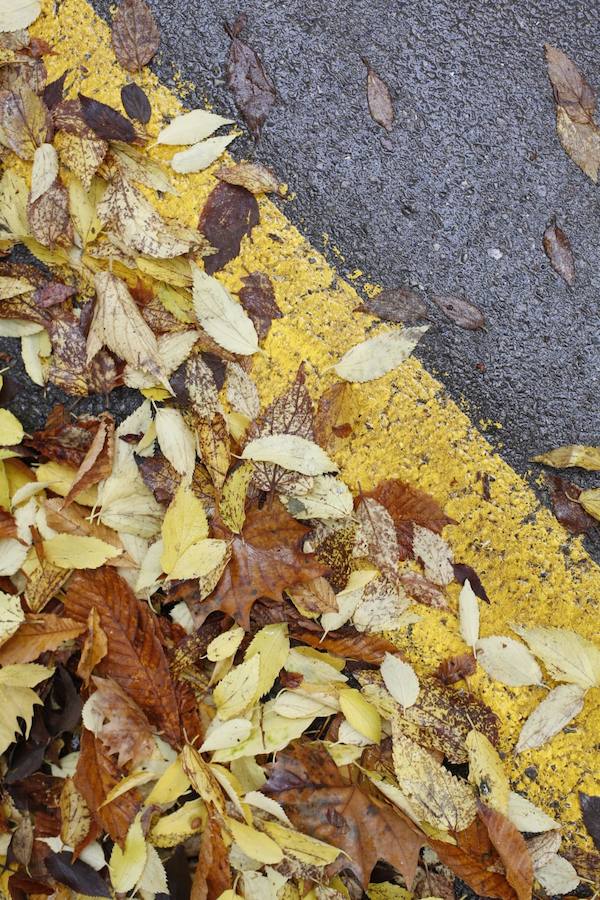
253 176
380 102
24 121
49 217
378 355
230 213
252 87
399 305
258 299
462 313
36 635
113 717
136 103
512 850
558 250
135 34
105 121
590 810
554 712
571 455
567 508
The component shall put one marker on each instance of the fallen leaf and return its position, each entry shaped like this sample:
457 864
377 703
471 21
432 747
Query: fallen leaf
126 865
571 455
191 127
399 305
400 679
49 217
528 817
71 551
11 429
476 870
360 714
590 501
18 700
201 156
24 121
44 171
230 213
95 646
290 452
558 250
77 875
379 99
224 319
258 299
252 87
54 92
83 154
21 15
335 415
378 355
105 121
565 504
464 572
37 634
508 661
176 441
557 876
422 590
590 811
97 463
434 553
460 311
560 706
255 177
11 614
329 498
456 668
512 850
116 720
242 392
320 802
567 655
376 537
213 441
135 34
136 103
486 772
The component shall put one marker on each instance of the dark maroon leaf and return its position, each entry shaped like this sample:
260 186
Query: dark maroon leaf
379 98
53 293
258 299
252 88
564 496
217 367
463 572
135 34
396 305
53 92
462 313
77 875
229 213
105 121
590 811
136 103
558 250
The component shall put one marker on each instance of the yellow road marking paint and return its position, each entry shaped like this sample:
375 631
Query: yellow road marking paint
409 428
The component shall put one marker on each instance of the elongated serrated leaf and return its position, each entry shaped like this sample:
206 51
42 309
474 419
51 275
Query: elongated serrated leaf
225 320
571 455
527 817
238 690
508 661
361 715
290 452
378 355
567 655
554 712
272 645
184 524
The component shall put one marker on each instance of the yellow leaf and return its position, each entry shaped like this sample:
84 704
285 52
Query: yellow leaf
13 205
201 155
36 349
507 661
17 699
290 452
127 784
400 679
75 817
44 171
71 551
468 612
486 772
185 524
82 205
567 655
222 735
361 714
572 455
232 504
226 644
170 786
176 441
11 430
199 560
127 865
557 709
175 828
378 355
191 127
202 779
11 615
238 690
272 645
590 500
17 14
307 849
258 846
60 478
225 320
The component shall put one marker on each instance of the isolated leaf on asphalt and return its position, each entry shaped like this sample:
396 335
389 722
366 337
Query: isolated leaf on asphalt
559 707
258 299
135 34
460 311
255 177
105 121
113 717
558 250
252 88
508 661
224 319
566 506
400 679
200 156
567 655
571 455
24 121
378 355
512 850
290 452
590 811
17 699
434 553
136 103
379 99
191 127
230 213
399 305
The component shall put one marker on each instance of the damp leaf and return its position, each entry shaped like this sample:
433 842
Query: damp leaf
135 34
135 103
105 121
191 127
558 250
460 311
554 712
378 355
379 99
224 319
252 87
229 214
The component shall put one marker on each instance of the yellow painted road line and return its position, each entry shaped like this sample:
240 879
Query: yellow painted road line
533 571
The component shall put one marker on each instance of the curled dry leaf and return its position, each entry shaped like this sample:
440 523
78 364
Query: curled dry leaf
253 176
252 87
135 34
230 213
455 668
464 314
572 455
558 250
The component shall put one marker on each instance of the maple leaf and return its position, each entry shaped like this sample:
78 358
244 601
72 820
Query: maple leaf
119 723
266 558
409 506
319 802
135 657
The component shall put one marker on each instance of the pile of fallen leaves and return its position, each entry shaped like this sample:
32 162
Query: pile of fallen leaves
196 699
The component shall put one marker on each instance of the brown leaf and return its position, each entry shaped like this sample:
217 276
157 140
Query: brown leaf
321 803
82 153
49 217
512 849
159 476
376 538
95 776
229 213
455 668
587 864
136 103
68 365
474 871
590 812
258 299
95 646
314 598
460 311
53 92
252 87
97 463
135 35
135 657
8 526
335 415
213 873
379 98
396 305
53 293
64 439
266 558
253 176
105 121
123 727
568 511
409 506
24 121
37 634
347 642
199 387
558 250
423 590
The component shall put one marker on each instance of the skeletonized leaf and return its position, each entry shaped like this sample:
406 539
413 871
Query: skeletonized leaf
291 452
567 655
508 661
221 317
400 679
16 14
135 34
572 455
191 127
200 156
554 712
378 355
468 612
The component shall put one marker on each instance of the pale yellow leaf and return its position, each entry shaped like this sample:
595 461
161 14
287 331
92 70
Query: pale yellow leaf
253 843
36 350
11 430
434 553
44 171
348 599
400 679
82 206
307 849
272 645
226 734
315 667
136 165
170 786
153 879
232 503
590 500
127 505
221 317
527 817
361 714
226 644
378 355
17 699
553 713
16 14
298 705
60 478
173 350
75 817
14 287
486 772
291 452
11 615
127 865
136 779
557 876
71 551
18 328
567 655
191 127
13 205
508 661
171 830
185 524
329 498
572 455
202 779
383 606
176 441
242 393
468 613
238 690
201 155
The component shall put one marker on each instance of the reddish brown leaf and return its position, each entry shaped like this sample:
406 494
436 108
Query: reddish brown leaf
213 873
135 34
512 849
53 293
347 642
159 476
335 415
229 213
455 668
464 572
105 121
64 439
97 463
379 99
135 657
136 103
396 305
53 92
124 729
266 558
252 88
258 299
95 776
49 217
564 495
95 646
321 803
8 527
37 634
423 590
409 506
558 250
473 871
